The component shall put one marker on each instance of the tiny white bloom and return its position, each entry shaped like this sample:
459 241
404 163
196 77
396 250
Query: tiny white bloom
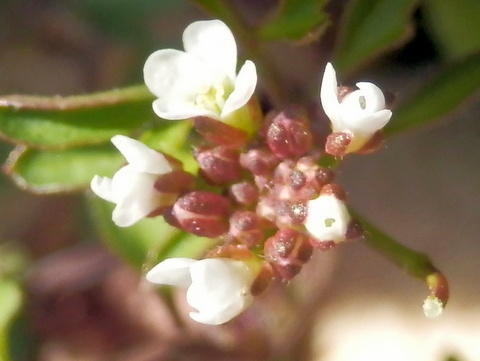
218 288
360 113
132 187
327 218
432 307
202 80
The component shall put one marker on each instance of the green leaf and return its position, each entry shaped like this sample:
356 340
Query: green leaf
53 171
371 27
132 243
295 20
146 242
171 137
454 25
10 301
61 122
443 94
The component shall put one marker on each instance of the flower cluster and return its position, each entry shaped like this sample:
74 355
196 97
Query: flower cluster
269 202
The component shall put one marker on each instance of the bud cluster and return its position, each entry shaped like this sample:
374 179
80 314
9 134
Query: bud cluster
270 196
260 189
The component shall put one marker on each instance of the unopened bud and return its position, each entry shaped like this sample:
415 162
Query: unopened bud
176 182
287 251
289 135
244 193
259 161
218 165
219 132
337 143
246 227
201 213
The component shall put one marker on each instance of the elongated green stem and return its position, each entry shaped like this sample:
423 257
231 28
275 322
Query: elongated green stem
272 80
415 263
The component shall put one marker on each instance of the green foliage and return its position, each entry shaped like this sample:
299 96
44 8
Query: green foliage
443 94
61 122
295 20
454 25
54 171
10 301
147 241
369 28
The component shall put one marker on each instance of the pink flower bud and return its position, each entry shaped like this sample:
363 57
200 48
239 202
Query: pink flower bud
177 182
289 135
244 193
201 213
287 251
259 161
246 227
219 165
219 132
337 144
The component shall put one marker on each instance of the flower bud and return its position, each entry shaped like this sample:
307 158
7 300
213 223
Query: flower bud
218 165
201 213
176 182
219 132
246 227
287 251
289 135
259 161
290 213
337 144
244 193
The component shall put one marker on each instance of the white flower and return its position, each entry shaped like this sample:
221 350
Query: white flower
327 218
202 80
132 187
432 307
218 288
360 113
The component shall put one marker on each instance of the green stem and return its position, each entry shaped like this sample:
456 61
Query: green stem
271 78
415 263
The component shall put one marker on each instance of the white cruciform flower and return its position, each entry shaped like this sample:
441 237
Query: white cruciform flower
327 218
132 187
360 113
202 80
218 288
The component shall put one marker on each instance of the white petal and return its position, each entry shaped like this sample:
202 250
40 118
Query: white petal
365 123
102 187
374 98
174 74
328 94
327 218
220 290
141 157
176 110
213 42
135 194
172 271
245 84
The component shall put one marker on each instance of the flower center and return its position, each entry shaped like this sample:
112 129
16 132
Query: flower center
213 98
